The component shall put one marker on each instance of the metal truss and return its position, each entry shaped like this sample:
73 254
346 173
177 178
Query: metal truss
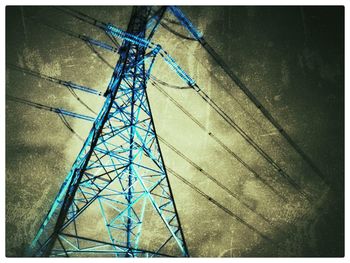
116 200
119 176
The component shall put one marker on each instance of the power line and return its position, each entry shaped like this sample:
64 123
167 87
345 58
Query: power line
49 108
219 205
89 41
67 84
210 177
98 54
237 101
214 137
212 200
164 83
215 202
215 104
68 126
204 172
171 21
178 13
157 16
82 37
226 210
154 78
113 39
267 114
234 125
241 106
81 101
177 33
97 23
247 138
82 17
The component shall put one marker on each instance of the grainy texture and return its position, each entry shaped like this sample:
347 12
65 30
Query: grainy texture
291 58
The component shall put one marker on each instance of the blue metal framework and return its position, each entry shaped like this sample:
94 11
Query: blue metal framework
118 186
186 22
119 170
113 30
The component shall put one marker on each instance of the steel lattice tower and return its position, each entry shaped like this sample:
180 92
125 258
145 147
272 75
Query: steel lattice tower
119 176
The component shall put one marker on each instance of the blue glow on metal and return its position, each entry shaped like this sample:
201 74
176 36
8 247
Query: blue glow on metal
100 44
119 167
151 22
186 22
80 87
73 114
127 36
156 49
168 59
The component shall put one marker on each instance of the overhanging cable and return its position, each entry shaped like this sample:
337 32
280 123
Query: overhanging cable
219 205
49 108
212 200
248 139
81 101
67 84
66 123
69 127
255 120
212 178
214 137
154 78
178 13
177 33
98 54
84 38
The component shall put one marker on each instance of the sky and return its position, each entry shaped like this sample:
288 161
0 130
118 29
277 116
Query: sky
292 60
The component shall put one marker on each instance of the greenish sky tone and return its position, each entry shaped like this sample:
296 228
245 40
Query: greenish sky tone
291 58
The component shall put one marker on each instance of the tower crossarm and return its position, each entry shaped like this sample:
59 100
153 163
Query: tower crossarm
120 167
117 32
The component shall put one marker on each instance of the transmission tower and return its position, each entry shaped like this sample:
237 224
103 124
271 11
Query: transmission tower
116 200
118 185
